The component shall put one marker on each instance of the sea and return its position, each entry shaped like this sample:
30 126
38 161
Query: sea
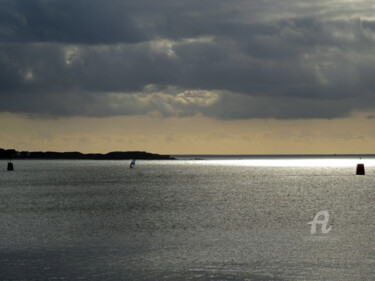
200 217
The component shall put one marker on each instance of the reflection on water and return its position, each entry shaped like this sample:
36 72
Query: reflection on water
308 162
187 220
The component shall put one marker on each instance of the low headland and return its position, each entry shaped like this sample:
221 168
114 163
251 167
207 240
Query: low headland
115 155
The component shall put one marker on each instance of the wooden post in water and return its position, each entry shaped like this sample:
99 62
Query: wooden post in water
10 166
360 169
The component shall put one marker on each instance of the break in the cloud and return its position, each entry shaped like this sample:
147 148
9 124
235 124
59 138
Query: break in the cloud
222 59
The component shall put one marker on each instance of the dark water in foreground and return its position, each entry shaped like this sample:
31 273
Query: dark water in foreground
187 220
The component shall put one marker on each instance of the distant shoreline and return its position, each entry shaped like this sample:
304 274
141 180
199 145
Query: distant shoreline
126 155
50 155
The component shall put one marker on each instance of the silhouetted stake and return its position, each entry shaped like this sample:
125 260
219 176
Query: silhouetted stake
10 166
360 169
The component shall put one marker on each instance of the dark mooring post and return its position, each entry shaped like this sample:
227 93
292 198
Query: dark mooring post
360 169
10 166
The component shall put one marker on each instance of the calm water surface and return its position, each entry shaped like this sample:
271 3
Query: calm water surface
187 220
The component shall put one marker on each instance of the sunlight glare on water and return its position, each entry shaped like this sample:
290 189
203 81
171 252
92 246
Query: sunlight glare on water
307 162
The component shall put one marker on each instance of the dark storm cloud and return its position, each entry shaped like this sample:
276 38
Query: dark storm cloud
237 60
68 21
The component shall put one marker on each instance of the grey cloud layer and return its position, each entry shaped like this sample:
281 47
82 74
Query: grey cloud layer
223 59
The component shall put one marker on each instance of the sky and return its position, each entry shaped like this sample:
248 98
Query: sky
187 76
